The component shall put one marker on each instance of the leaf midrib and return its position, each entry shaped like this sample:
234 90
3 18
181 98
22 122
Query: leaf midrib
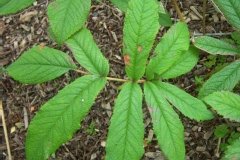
236 107
156 98
137 41
45 64
64 18
233 49
225 79
66 110
127 121
165 54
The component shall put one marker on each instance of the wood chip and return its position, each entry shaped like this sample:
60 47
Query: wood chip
207 135
2 27
150 135
25 115
194 17
196 12
103 143
93 156
200 149
27 16
215 18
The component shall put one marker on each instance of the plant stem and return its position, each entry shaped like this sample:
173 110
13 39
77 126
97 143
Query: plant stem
180 15
218 147
112 78
117 79
5 130
80 71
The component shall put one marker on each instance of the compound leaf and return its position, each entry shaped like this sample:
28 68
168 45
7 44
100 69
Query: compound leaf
230 10
126 131
184 102
67 17
13 6
60 117
225 79
215 46
170 48
225 103
182 64
166 123
87 53
140 29
233 151
40 64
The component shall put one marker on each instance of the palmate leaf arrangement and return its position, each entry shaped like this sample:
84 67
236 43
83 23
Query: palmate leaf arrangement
217 90
60 117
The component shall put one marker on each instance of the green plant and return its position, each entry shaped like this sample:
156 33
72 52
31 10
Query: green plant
60 117
13 6
91 130
221 131
216 91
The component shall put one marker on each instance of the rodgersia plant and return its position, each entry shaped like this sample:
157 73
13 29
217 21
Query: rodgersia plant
60 117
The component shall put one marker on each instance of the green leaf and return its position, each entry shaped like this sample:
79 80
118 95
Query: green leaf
233 151
236 37
126 131
221 131
3 2
184 102
165 19
60 117
67 17
40 64
230 9
215 46
225 79
121 4
182 64
225 103
13 6
166 123
170 48
87 53
140 29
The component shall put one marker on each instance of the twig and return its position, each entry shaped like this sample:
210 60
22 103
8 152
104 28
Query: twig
5 130
204 15
25 115
218 147
180 15
112 78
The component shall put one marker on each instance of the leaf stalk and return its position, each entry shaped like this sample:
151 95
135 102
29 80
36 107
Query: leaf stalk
112 78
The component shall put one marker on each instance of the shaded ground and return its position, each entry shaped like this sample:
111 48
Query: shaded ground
105 22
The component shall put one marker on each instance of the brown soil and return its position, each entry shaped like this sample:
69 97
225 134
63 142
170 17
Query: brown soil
21 102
